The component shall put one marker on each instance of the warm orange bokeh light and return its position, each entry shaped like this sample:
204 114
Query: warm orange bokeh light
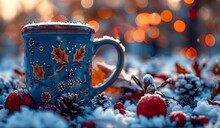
189 1
142 19
210 40
94 24
179 26
59 18
191 53
183 50
87 3
153 32
155 19
166 15
105 12
142 3
128 36
138 35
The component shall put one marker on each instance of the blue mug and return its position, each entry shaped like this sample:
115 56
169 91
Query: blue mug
58 59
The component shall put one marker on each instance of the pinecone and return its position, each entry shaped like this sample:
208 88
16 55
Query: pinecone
186 101
187 85
101 100
69 104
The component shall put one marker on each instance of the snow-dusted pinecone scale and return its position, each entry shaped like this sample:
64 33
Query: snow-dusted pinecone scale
101 100
188 85
69 104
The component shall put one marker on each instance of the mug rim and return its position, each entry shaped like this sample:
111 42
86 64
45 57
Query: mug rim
58 27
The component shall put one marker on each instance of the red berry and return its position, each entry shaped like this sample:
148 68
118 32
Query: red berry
202 120
179 117
119 106
53 108
151 105
89 124
122 111
194 120
65 118
138 94
17 99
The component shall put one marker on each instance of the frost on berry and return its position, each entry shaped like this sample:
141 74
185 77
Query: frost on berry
151 105
178 117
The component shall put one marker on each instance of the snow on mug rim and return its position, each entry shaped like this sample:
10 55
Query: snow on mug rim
57 27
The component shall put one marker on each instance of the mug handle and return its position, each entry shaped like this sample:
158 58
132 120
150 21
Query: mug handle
120 49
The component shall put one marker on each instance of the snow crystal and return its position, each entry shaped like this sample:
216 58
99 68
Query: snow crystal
58 23
203 108
131 108
3 114
108 118
35 119
156 121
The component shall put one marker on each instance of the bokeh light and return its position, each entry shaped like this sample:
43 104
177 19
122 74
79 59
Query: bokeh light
142 19
155 19
174 4
166 15
189 1
192 13
59 18
94 24
210 40
191 53
9 9
173 23
48 6
128 36
87 3
142 3
105 12
153 32
138 35
179 26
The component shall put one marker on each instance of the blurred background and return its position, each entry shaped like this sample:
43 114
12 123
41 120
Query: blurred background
147 28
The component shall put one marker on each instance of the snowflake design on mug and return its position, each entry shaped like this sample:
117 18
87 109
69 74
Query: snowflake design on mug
45 97
70 83
71 73
79 81
61 86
